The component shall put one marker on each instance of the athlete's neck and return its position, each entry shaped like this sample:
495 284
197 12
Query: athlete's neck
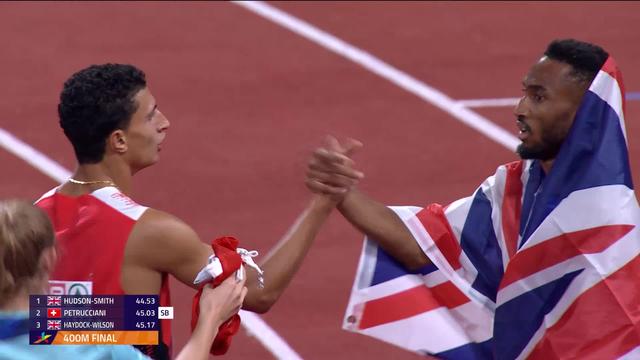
99 175
546 165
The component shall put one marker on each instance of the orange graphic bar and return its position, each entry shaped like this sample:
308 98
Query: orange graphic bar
106 338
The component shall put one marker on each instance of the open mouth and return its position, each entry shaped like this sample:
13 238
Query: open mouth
525 130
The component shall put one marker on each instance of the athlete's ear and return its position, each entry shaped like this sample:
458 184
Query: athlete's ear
117 142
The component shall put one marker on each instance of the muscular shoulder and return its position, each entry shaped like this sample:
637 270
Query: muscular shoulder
158 226
162 241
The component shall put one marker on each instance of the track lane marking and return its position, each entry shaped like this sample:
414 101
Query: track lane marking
384 70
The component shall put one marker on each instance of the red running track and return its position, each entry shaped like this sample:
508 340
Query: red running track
248 100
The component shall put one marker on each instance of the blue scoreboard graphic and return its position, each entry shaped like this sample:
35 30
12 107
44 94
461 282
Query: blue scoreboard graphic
96 319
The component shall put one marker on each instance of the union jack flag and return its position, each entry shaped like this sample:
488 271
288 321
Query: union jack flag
54 301
531 265
54 324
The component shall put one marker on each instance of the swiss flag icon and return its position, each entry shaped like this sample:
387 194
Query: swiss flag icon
54 312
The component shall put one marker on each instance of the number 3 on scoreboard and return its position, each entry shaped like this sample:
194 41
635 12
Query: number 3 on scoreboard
165 312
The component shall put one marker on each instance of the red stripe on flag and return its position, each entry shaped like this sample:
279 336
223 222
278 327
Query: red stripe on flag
602 323
611 67
435 222
511 206
409 303
561 248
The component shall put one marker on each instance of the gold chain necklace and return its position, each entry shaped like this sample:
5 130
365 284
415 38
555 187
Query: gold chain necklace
96 182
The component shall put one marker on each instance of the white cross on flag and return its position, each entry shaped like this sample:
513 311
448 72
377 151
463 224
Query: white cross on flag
54 312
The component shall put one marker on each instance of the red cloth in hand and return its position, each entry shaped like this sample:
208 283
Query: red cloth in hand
225 249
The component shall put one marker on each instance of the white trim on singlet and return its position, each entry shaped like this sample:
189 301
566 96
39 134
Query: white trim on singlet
113 197
47 194
122 203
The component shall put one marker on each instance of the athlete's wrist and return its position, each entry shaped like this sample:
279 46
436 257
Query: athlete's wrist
322 204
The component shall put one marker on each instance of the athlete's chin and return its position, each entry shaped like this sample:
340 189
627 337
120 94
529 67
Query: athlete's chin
153 158
536 152
530 151
144 164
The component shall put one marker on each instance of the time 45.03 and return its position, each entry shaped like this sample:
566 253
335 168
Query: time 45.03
145 313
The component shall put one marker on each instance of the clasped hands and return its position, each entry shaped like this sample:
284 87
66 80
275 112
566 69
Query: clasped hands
331 170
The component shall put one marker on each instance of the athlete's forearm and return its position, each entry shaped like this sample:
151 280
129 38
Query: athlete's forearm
284 260
383 226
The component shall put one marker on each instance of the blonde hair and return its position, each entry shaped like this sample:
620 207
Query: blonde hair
25 232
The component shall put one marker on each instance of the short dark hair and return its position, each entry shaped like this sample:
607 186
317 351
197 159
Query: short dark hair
96 101
585 58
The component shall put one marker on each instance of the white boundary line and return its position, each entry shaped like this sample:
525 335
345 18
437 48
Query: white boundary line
386 71
499 102
253 323
268 337
33 157
476 103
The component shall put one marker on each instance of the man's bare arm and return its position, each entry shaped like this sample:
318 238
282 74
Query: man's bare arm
163 243
284 260
385 227
331 172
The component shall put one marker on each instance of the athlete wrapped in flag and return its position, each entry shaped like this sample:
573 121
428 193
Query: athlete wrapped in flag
541 262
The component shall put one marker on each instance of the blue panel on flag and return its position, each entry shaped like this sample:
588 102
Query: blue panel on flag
479 243
387 268
526 313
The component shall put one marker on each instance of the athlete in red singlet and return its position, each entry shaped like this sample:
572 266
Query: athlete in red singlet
92 232
108 244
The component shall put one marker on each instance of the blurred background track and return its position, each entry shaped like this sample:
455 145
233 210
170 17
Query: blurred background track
248 100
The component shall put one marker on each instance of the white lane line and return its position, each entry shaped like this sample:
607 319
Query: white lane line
268 337
33 157
476 103
386 71
499 102
253 323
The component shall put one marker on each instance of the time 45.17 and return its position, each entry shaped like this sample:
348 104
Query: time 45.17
145 325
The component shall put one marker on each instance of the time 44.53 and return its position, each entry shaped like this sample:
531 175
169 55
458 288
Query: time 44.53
145 324
145 300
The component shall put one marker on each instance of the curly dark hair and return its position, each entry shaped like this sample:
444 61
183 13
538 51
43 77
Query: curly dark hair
585 58
96 101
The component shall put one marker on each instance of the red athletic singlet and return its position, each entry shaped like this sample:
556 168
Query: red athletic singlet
92 232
